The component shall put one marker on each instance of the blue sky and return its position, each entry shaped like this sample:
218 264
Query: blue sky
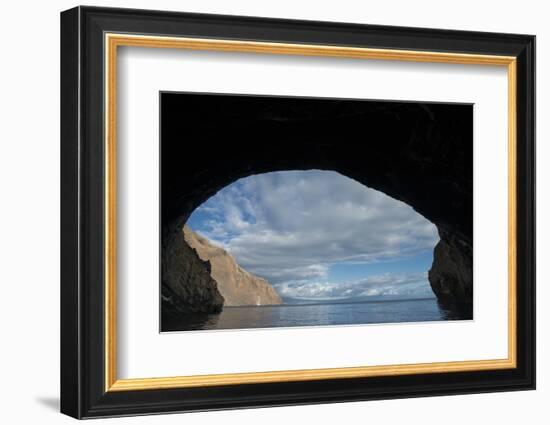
318 235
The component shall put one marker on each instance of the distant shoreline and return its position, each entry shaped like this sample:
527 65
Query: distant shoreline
330 303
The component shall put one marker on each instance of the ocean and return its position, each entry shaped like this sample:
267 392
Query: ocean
290 315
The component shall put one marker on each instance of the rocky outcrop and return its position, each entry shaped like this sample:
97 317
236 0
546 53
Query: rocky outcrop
187 286
451 276
419 153
237 286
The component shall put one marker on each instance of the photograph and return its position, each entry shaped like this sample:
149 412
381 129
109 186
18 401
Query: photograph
301 211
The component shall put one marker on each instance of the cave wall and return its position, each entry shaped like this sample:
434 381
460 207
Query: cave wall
419 153
187 287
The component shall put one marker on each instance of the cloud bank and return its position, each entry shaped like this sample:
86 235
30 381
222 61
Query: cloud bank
409 285
292 227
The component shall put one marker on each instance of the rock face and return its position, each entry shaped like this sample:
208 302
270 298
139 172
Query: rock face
418 153
237 286
187 286
451 276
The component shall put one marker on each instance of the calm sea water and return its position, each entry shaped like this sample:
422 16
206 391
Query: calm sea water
313 315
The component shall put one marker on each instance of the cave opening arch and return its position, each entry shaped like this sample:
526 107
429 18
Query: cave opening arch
418 153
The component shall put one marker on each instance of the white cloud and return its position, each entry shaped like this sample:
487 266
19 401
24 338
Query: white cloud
394 284
291 226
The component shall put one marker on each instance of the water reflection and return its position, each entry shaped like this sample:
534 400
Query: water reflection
455 312
190 322
394 311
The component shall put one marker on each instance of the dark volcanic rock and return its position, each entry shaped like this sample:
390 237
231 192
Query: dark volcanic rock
419 153
186 283
451 276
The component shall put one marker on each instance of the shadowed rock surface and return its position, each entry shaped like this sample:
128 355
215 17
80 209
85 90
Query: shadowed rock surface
451 275
237 286
191 288
419 153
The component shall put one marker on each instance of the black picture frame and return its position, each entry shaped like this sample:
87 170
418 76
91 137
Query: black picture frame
83 393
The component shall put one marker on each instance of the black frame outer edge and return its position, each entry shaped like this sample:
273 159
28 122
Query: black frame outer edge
70 348
82 345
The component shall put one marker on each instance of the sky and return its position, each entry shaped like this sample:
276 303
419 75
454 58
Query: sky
320 236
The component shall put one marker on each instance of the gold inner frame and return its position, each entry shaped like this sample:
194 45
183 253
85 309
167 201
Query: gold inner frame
113 41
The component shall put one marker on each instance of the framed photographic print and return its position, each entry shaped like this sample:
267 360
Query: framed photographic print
261 212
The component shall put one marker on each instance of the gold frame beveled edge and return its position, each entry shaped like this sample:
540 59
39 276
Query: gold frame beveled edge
114 40
306 375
